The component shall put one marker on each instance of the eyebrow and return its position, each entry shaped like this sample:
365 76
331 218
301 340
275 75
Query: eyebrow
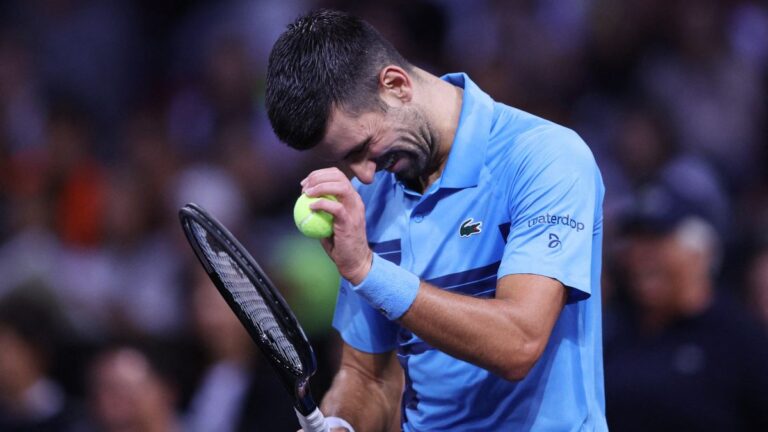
358 148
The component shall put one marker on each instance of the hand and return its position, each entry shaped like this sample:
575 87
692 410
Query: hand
348 246
336 429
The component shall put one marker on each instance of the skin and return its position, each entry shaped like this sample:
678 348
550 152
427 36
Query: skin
505 335
219 330
21 366
666 279
757 286
127 396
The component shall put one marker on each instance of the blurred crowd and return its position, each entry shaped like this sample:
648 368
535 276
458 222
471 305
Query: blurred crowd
114 113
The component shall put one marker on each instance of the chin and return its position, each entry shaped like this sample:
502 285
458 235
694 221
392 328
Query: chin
408 174
413 171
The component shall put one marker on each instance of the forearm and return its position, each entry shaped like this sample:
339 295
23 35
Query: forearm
505 335
500 334
368 402
480 331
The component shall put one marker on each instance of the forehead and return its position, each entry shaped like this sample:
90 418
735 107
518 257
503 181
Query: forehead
647 240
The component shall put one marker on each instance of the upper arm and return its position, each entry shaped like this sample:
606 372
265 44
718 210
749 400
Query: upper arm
555 207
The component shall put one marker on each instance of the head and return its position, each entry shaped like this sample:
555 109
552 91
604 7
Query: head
669 273
646 142
30 331
335 85
757 284
670 256
127 393
219 330
21 363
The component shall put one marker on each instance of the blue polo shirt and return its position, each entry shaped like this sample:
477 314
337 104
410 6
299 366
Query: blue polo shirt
518 194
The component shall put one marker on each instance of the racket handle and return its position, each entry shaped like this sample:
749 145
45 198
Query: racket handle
314 422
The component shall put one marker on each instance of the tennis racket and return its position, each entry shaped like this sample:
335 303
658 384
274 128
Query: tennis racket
260 308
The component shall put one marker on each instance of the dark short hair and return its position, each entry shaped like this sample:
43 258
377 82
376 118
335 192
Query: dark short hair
31 312
324 58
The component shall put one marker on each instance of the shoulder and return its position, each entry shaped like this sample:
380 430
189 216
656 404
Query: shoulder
526 144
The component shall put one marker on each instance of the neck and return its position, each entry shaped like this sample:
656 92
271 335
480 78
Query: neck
443 107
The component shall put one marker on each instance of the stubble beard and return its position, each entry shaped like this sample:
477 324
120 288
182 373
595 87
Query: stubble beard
420 148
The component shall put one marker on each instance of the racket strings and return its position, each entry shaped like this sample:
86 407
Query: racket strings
247 296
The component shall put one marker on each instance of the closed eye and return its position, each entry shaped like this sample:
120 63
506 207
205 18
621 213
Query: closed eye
358 149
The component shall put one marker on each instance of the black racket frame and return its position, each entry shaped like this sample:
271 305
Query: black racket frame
298 383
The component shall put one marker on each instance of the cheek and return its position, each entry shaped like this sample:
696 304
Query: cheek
648 286
646 275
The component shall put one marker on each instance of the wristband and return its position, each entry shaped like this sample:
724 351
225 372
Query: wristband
388 287
333 422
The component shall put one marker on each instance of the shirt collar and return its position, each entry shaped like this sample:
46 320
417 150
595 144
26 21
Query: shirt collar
467 155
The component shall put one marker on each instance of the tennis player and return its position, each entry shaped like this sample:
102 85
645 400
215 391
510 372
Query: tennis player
468 239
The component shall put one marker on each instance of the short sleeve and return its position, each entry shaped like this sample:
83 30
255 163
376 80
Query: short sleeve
554 204
361 326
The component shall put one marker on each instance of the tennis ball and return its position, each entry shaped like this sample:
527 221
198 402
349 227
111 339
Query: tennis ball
315 224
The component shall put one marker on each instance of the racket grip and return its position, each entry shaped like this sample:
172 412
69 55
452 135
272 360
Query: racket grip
314 422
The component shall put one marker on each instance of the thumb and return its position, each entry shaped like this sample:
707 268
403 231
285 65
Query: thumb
327 244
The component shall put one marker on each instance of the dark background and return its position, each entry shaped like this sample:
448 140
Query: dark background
114 113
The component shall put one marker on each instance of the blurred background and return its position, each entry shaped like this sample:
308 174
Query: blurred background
114 113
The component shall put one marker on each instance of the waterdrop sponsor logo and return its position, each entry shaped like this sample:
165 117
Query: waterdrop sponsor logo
548 219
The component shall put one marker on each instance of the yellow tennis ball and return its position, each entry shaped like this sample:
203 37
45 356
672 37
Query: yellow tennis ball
315 224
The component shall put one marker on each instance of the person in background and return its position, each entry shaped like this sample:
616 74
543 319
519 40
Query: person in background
30 399
235 392
127 392
757 285
684 356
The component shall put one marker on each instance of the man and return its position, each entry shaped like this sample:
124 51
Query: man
469 240
684 356
127 390
31 330
234 393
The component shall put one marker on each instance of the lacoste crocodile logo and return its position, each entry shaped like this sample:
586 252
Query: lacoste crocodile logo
469 227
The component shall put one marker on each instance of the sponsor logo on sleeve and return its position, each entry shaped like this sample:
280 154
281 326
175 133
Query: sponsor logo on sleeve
548 219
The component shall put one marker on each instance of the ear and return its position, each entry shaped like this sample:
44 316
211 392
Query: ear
395 86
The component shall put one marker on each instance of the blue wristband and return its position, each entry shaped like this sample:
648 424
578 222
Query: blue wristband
389 288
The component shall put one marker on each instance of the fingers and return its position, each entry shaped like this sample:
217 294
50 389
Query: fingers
323 174
335 208
336 429
335 188
330 181
331 177
327 244
348 247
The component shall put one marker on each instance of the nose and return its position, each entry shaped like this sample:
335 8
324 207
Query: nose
364 170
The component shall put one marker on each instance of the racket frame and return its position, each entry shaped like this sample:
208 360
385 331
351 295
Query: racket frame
297 383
